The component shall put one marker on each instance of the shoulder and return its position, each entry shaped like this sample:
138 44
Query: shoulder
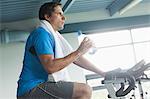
41 31
43 34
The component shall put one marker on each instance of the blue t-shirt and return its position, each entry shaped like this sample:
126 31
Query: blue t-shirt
33 72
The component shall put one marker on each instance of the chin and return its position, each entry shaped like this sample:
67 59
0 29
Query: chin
61 28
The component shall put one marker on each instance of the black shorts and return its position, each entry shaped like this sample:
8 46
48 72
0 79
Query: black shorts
50 90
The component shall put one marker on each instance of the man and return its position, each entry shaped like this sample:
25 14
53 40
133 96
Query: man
43 74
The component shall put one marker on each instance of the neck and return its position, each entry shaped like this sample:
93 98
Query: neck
54 27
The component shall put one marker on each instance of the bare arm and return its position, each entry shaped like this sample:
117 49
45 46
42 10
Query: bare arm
84 63
52 64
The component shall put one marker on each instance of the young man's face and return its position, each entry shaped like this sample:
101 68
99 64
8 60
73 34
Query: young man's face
57 19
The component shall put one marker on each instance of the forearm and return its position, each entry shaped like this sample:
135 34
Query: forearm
84 63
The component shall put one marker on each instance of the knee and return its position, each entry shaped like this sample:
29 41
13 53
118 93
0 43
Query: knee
87 91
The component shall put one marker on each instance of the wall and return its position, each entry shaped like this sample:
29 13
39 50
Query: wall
0 72
11 56
10 66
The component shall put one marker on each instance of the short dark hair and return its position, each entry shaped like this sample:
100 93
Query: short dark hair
47 8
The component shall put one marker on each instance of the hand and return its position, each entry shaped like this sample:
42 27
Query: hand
103 74
85 45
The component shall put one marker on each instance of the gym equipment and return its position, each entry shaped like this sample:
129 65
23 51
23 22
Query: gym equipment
116 80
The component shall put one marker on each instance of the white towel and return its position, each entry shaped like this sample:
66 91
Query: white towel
62 48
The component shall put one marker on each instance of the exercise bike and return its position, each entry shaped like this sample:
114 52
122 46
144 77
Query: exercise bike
116 81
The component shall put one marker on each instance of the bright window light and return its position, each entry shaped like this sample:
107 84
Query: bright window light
120 49
141 34
112 58
111 38
142 51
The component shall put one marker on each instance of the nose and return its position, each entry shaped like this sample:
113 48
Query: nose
63 17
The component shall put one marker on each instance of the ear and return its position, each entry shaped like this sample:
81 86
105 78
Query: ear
47 17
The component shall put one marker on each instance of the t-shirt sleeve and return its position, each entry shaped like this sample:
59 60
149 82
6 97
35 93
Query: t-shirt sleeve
44 44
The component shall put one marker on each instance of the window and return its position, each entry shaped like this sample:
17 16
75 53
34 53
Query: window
111 38
141 34
119 49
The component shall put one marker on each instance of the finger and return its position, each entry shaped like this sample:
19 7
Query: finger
89 42
84 42
86 39
88 45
